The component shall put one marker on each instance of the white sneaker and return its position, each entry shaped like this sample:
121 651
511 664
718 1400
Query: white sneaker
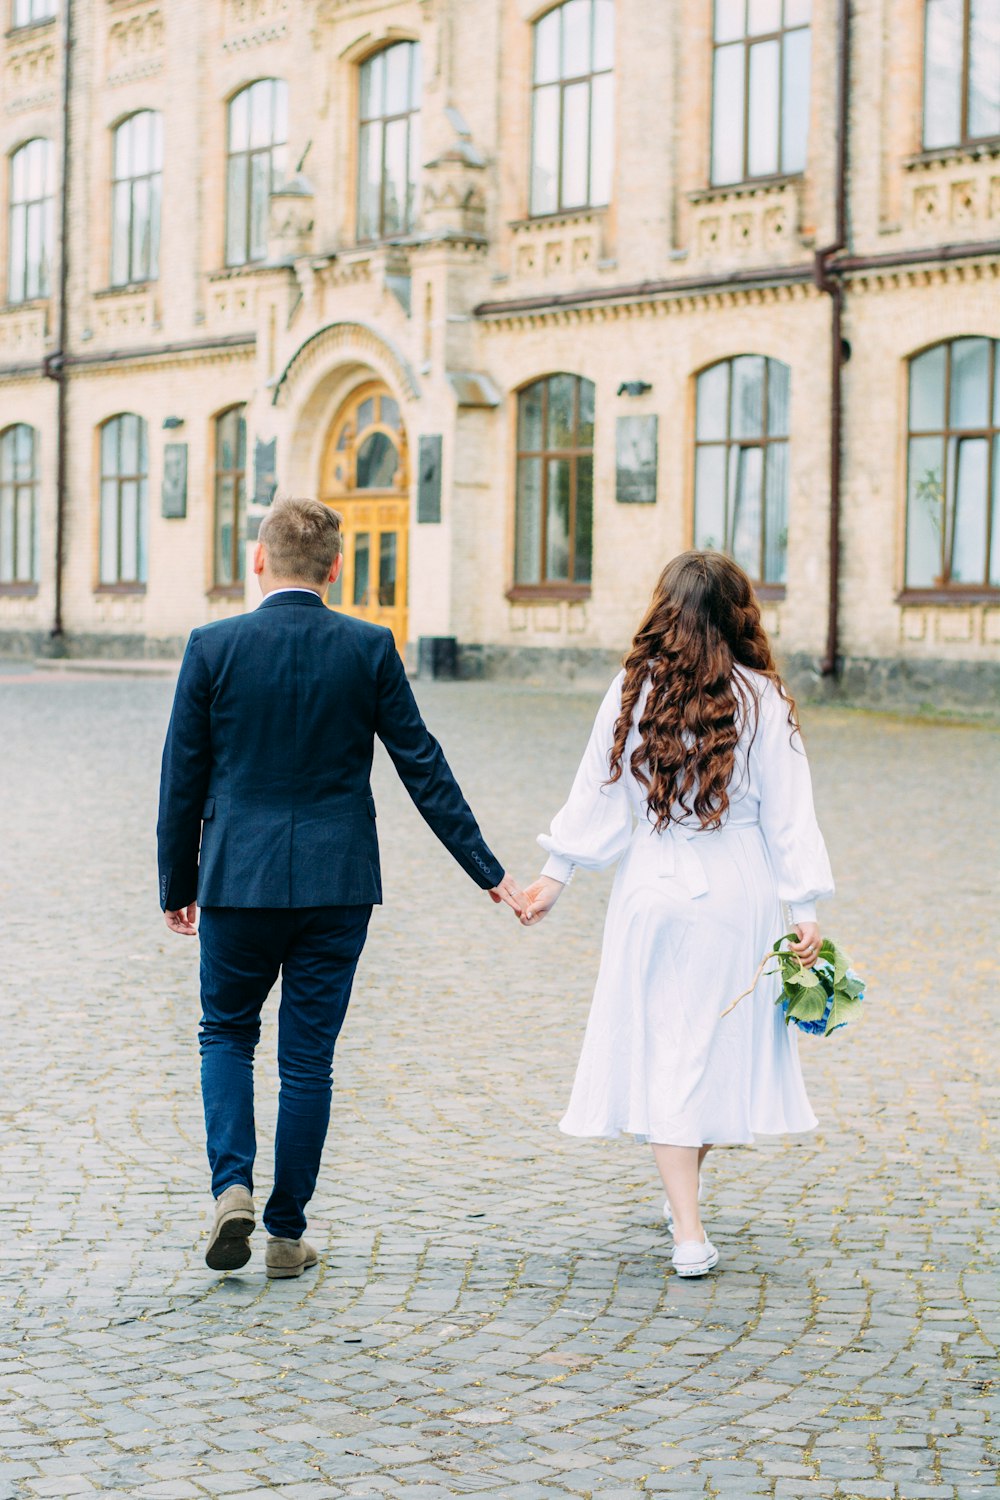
692 1259
668 1212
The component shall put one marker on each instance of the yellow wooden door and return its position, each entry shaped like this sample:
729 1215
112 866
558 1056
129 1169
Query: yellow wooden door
365 477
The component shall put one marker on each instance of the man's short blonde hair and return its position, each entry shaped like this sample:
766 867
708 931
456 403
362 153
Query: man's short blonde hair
302 539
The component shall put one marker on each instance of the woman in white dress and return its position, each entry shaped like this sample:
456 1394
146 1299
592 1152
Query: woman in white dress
696 780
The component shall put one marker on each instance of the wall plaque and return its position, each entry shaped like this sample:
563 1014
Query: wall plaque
265 476
635 460
429 478
173 496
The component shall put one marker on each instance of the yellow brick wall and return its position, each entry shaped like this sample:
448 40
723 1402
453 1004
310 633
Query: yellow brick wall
188 57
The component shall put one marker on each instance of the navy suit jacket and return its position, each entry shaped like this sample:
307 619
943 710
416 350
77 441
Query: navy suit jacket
268 759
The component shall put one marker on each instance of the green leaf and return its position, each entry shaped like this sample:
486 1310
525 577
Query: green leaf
842 1009
809 980
851 987
808 1007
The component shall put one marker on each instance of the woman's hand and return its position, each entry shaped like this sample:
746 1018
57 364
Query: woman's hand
539 900
807 947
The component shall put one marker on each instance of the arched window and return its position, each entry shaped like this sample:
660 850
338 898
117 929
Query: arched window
760 88
136 195
389 142
555 481
31 224
230 495
19 505
741 463
953 487
258 133
572 107
961 72
124 499
31 12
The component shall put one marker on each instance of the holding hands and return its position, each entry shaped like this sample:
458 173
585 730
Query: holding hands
531 905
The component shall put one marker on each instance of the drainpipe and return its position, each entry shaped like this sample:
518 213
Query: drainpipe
828 277
55 363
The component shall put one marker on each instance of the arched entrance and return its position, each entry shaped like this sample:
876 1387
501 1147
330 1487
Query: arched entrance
365 476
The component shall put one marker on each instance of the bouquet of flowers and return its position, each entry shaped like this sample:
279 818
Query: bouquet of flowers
819 1000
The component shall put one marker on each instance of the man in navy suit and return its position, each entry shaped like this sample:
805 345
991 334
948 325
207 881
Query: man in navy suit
267 822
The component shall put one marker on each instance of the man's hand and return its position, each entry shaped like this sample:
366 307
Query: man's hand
539 899
510 893
183 921
807 947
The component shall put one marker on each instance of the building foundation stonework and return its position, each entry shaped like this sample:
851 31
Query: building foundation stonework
516 290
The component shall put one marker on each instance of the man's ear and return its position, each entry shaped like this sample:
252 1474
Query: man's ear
259 560
338 563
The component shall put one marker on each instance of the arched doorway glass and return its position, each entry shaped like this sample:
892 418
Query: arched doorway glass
365 476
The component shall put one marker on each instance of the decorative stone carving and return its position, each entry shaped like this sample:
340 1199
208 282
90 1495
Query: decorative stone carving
249 23
123 317
292 220
135 45
22 335
746 224
962 190
453 198
231 305
30 76
556 249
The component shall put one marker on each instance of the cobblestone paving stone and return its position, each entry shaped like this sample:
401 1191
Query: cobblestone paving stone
494 1312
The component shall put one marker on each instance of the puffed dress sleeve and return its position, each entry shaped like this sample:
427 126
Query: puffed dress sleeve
594 827
787 815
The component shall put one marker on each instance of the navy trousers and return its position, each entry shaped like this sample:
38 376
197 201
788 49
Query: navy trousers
316 950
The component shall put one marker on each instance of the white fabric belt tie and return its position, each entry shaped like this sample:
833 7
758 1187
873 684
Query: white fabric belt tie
679 858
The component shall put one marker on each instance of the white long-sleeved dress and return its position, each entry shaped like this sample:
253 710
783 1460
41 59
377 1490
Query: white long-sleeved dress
691 915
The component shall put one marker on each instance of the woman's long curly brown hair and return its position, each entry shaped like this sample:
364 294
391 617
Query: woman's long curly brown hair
702 622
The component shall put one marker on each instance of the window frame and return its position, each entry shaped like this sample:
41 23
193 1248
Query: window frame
141 479
965 140
46 202
766 588
237 583
250 152
410 115
561 83
748 41
943 590
18 583
553 588
154 178
33 20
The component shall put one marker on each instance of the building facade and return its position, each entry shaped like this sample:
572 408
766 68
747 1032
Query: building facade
536 296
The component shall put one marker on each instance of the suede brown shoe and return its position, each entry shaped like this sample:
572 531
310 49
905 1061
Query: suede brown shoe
288 1257
229 1243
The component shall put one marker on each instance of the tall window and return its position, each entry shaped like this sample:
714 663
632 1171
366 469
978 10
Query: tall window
30 12
953 490
572 107
230 495
32 223
124 499
760 88
741 463
136 196
389 142
961 72
555 481
19 505
258 132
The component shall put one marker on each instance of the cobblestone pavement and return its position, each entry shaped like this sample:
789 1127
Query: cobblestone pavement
494 1312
